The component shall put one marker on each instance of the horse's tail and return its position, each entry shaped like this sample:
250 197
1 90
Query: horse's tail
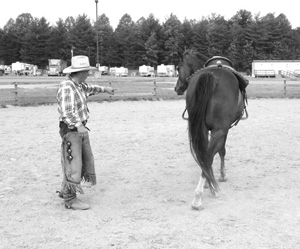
198 131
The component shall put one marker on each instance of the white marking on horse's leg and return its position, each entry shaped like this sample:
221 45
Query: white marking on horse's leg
196 204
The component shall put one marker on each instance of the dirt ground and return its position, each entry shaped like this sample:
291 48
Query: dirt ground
146 180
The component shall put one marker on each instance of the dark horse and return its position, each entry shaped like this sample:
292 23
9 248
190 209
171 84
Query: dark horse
215 101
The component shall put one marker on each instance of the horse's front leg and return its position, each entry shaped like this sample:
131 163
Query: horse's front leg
196 204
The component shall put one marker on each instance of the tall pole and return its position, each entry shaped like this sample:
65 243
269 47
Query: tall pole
97 56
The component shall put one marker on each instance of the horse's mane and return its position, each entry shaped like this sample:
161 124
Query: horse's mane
192 52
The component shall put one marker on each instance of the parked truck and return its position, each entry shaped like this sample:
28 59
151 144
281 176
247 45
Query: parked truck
103 70
56 67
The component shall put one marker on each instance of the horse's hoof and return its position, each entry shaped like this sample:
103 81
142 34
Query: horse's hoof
214 195
197 207
223 179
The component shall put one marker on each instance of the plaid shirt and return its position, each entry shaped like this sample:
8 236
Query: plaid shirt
72 105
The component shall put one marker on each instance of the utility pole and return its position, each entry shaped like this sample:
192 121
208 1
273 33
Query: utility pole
97 55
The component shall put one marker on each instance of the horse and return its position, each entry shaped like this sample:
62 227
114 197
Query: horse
214 103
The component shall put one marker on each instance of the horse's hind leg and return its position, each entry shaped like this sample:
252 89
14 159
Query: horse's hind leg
217 145
222 154
196 204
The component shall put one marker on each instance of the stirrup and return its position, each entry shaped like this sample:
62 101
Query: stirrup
244 118
183 114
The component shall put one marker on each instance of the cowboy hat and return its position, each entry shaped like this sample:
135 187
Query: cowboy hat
79 63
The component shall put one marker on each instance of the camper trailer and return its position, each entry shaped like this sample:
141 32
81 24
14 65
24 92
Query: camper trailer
146 71
166 70
119 71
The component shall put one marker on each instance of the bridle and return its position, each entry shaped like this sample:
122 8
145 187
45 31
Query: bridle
187 82
189 78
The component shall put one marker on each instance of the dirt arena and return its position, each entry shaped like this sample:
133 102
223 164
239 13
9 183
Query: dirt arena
146 180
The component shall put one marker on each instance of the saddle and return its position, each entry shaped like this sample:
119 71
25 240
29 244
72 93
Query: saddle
219 61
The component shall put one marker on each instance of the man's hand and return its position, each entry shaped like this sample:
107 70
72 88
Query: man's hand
109 90
82 129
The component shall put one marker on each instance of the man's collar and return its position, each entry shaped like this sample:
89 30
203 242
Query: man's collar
74 81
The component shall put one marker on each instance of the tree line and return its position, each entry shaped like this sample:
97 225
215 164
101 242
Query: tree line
243 38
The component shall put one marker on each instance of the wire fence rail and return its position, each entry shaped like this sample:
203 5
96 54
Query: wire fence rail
32 93
24 93
284 88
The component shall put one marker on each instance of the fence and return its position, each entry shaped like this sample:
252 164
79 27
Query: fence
264 73
273 89
22 93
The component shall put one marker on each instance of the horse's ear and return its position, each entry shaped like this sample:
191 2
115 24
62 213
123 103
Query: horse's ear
179 55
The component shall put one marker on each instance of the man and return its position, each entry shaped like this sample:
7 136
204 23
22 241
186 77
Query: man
76 154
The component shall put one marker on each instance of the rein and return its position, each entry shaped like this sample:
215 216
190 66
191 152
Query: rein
234 124
188 79
240 117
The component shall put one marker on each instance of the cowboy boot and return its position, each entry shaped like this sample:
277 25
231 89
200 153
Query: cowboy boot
76 204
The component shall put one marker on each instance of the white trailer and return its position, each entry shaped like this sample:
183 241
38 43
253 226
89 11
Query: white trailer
18 68
162 70
171 70
118 71
273 68
146 71
121 71
165 70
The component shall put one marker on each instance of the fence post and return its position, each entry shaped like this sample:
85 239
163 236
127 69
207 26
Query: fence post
16 92
154 88
110 96
284 88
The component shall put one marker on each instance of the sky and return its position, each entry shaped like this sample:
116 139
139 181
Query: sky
52 10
